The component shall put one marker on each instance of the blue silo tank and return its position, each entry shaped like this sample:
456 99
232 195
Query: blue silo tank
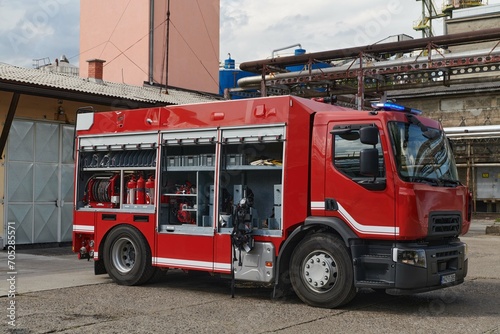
304 67
297 68
229 76
229 63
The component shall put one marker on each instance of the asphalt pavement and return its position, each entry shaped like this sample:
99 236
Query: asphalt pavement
46 269
39 269
57 293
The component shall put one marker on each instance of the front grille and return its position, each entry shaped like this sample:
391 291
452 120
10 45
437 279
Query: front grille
445 224
446 254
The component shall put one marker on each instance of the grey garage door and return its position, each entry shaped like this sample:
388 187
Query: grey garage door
39 181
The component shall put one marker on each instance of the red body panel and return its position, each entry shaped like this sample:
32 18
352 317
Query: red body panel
185 251
201 250
414 204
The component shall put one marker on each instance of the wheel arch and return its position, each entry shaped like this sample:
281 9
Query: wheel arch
336 225
311 225
99 268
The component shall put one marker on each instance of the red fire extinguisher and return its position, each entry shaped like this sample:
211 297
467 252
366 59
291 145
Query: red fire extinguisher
131 186
140 198
150 190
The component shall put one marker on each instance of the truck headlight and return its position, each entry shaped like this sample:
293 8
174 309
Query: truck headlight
414 257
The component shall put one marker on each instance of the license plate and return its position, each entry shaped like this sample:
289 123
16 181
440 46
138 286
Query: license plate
448 278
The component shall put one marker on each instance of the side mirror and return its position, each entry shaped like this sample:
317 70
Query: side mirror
368 160
369 135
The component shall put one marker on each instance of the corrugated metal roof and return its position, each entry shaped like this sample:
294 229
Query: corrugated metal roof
90 86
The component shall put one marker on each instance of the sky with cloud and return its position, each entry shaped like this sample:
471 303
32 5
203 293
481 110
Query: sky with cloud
250 30
34 29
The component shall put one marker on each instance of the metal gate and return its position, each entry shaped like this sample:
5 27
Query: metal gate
39 181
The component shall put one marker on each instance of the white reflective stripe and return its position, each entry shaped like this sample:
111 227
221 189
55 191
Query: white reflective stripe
83 228
318 205
191 263
96 256
383 230
222 266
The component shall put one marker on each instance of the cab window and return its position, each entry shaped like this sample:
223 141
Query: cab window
346 153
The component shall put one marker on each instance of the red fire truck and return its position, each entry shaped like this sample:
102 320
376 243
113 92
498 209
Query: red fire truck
282 190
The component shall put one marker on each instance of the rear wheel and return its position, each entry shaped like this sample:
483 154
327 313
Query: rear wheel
321 271
127 256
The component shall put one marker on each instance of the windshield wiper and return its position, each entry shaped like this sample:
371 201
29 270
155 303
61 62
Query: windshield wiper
422 179
450 182
434 181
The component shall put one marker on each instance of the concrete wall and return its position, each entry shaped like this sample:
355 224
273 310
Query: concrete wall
194 44
457 110
118 31
473 23
115 31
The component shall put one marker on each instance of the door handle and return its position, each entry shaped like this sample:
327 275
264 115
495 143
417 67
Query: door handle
331 204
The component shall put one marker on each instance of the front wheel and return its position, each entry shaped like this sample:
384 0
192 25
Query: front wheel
321 271
127 256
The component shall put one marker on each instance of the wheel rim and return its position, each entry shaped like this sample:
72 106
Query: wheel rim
123 255
319 271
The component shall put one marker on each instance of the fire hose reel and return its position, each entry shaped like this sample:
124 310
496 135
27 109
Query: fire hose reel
103 191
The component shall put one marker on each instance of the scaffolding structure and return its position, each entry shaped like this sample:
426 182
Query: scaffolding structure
477 153
451 5
429 13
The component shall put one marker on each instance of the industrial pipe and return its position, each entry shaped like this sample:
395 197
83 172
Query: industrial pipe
383 48
255 81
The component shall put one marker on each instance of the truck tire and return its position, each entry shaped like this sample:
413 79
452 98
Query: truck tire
321 271
127 256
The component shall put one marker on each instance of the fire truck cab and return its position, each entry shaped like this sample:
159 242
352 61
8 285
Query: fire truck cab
278 190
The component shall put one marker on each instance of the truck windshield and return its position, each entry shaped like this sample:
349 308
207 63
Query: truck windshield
423 154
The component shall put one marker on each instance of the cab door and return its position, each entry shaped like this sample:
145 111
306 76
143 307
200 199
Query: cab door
364 202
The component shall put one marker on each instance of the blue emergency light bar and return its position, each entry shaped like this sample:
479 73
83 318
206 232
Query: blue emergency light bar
389 106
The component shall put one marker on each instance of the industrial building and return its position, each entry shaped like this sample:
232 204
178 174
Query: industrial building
452 78
155 42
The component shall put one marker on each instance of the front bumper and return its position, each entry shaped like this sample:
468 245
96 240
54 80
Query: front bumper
408 268
445 266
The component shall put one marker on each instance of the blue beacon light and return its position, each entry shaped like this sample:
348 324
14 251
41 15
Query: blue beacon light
389 106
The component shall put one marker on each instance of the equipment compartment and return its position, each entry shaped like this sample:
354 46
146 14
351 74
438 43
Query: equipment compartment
187 173
252 170
117 179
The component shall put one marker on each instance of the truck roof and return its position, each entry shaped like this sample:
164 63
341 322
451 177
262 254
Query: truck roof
290 110
266 110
